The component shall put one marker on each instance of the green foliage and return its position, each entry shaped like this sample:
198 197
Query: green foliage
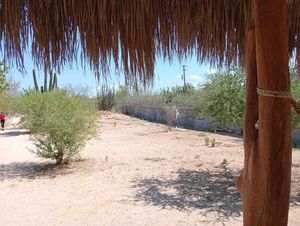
225 162
175 96
9 92
121 93
223 98
77 90
60 124
4 85
8 103
105 98
81 92
143 100
295 89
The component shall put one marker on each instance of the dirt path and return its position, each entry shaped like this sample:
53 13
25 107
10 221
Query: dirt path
135 173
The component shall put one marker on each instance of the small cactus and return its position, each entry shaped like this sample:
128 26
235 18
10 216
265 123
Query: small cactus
206 140
225 162
213 142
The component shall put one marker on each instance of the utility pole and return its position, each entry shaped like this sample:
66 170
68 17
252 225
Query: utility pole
183 76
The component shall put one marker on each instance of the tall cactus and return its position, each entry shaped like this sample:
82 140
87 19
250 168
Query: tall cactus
45 80
52 81
35 80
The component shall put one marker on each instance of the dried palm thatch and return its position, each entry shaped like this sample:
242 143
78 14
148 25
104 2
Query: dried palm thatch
132 33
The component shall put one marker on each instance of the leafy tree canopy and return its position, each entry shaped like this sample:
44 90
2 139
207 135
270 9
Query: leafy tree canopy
4 85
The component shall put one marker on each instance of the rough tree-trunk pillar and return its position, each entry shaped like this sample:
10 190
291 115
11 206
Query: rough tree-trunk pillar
250 118
265 183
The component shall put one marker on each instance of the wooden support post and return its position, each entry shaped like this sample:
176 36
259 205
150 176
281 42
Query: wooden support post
250 116
265 182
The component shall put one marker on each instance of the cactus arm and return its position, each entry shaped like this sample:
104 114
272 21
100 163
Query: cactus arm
51 81
35 80
45 80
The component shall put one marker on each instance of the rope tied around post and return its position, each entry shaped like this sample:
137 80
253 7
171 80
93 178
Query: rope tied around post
280 94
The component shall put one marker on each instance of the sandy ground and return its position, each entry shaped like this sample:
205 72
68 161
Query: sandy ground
135 173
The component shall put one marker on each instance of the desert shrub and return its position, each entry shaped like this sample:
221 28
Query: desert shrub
171 95
192 100
121 94
180 96
8 103
77 90
223 98
59 124
4 85
9 94
175 96
144 100
105 98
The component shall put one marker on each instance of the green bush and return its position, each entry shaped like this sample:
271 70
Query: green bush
143 100
105 98
178 96
8 103
60 124
9 95
223 98
4 85
121 93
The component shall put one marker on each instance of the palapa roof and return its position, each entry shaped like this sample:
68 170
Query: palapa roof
132 33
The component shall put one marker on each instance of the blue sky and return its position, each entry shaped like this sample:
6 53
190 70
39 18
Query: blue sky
166 75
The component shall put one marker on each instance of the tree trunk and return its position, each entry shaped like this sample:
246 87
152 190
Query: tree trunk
265 182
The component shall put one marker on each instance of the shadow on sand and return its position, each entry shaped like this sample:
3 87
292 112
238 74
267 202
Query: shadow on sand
32 170
295 199
213 191
13 133
295 189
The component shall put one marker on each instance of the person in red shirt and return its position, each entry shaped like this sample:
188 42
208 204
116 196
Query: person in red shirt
2 119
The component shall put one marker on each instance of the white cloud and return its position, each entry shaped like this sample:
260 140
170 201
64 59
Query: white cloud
195 77
178 76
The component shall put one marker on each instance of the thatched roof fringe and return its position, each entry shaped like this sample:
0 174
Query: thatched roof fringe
132 33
